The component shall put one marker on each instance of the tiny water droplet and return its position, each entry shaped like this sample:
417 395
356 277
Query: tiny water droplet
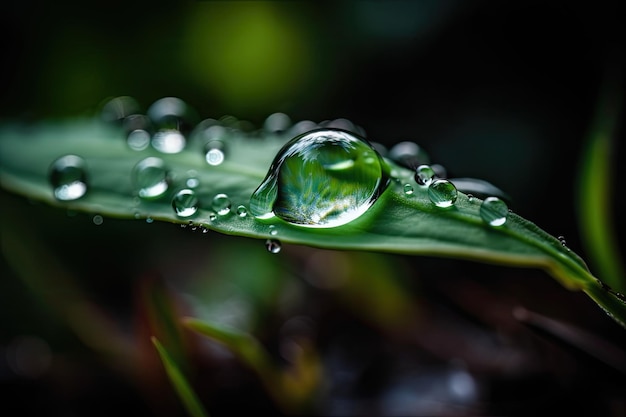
273 245
149 219
470 198
494 211
68 178
98 220
408 189
242 211
277 123
168 141
150 178
442 193
212 216
562 240
138 139
273 230
424 175
118 108
205 230
322 178
408 154
185 203
214 152
221 204
192 182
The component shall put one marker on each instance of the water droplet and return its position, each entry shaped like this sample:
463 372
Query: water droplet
408 154
562 240
172 113
342 123
192 182
242 211
424 175
118 108
149 219
168 141
150 178
470 198
214 152
138 140
212 216
277 123
273 230
442 193
68 178
494 211
273 245
98 220
302 126
185 203
323 178
221 204
408 189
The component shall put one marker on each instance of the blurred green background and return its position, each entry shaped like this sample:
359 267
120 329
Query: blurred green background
504 92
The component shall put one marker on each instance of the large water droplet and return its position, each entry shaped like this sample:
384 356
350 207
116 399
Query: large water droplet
221 204
150 178
424 175
273 245
68 178
442 193
185 203
322 178
494 211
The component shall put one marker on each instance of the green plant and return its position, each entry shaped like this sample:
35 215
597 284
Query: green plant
109 169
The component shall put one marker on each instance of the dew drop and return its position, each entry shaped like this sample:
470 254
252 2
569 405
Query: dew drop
442 193
242 211
424 175
149 219
494 211
212 216
408 154
322 178
192 182
118 108
168 141
277 123
185 203
97 220
68 178
221 204
273 245
302 126
408 189
273 230
214 152
562 240
470 198
138 139
150 178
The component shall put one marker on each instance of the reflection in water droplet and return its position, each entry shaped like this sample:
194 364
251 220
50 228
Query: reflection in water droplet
273 245
442 193
168 141
185 203
408 189
138 140
494 211
242 211
424 175
150 178
323 178
221 204
68 178
97 220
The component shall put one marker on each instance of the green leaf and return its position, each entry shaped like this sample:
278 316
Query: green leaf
183 388
397 222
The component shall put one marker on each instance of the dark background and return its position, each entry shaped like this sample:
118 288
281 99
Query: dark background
503 91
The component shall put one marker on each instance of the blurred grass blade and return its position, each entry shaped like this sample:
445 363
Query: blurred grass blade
596 190
183 388
398 222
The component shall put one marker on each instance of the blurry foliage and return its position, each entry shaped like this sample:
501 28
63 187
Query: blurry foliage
510 86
